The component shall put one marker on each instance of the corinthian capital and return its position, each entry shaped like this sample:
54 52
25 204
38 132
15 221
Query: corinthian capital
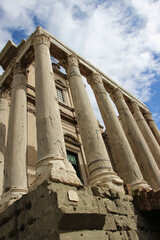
116 94
148 116
73 60
41 38
18 68
5 93
134 106
94 78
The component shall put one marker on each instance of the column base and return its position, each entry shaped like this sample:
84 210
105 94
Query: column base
140 185
57 170
10 197
109 180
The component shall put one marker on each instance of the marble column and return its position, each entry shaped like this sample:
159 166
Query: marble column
152 125
146 132
4 96
123 158
52 160
99 165
15 180
140 148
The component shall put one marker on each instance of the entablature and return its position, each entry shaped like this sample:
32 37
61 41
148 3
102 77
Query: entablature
60 52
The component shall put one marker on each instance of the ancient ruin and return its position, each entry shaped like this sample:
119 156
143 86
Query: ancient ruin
61 176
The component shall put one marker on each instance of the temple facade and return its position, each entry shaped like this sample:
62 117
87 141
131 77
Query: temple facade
48 129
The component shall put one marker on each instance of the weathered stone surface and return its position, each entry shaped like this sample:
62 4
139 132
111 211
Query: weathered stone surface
125 222
114 236
139 147
132 235
146 132
120 150
84 235
3 131
47 213
101 192
124 207
109 223
99 166
124 235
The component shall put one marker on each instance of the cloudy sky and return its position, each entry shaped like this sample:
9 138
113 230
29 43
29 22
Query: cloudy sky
120 37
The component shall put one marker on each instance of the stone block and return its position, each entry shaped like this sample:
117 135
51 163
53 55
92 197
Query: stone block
109 223
101 192
113 193
124 235
46 225
81 221
84 235
124 197
11 228
110 206
125 223
132 235
114 236
27 232
124 207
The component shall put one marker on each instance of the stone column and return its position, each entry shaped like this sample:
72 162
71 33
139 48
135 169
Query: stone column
52 160
152 125
15 180
123 158
146 132
99 166
4 94
140 149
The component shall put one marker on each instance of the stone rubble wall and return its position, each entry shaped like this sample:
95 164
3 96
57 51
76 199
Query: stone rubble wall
56 211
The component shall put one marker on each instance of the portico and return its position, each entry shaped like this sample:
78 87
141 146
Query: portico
56 104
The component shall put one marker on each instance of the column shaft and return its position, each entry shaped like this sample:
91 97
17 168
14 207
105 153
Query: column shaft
152 125
15 179
52 160
124 161
146 132
140 149
3 127
99 166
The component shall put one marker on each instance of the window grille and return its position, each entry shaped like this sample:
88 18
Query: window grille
73 159
60 95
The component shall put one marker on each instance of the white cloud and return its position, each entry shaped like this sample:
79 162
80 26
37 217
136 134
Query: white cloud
119 37
156 117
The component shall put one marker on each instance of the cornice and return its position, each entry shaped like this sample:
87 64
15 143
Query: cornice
87 66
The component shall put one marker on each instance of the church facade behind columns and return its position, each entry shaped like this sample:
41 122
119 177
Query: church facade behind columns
49 130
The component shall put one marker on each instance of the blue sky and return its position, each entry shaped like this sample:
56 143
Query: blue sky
120 37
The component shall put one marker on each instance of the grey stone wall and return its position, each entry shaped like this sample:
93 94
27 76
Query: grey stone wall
56 211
